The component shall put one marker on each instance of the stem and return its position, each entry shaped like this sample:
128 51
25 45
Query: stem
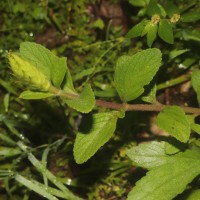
142 107
173 82
125 106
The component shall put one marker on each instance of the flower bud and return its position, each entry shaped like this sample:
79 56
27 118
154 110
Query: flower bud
28 72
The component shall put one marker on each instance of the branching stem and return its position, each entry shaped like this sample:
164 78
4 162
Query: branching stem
125 106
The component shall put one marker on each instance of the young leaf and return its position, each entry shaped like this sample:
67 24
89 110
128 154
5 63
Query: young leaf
53 67
151 35
153 8
132 73
165 32
173 120
93 134
149 155
161 182
171 8
196 83
84 102
34 95
137 29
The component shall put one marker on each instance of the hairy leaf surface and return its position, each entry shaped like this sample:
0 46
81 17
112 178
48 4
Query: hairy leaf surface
94 133
53 67
169 179
173 120
85 102
134 72
149 155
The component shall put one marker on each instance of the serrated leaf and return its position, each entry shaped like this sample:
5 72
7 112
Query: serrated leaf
173 120
53 67
190 17
84 102
132 73
151 35
93 134
149 155
168 180
165 32
35 95
163 181
137 30
196 83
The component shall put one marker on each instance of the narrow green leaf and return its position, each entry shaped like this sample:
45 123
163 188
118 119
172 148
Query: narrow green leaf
175 53
8 151
136 31
35 95
94 132
190 17
165 31
173 120
85 102
33 186
45 172
53 67
132 73
161 182
151 35
6 101
196 83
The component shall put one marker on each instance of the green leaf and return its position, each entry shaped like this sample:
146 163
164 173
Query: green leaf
149 155
165 31
191 35
195 195
84 102
196 83
175 53
195 128
132 73
153 8
137 29
139 3
53 67
168 180
94 133
34 187
151 35
173 120
190 17
171 8
68 83
35 95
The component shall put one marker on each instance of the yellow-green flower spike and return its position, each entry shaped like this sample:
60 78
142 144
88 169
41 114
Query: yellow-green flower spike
28 72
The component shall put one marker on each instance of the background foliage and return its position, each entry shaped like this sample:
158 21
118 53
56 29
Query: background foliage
37 136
